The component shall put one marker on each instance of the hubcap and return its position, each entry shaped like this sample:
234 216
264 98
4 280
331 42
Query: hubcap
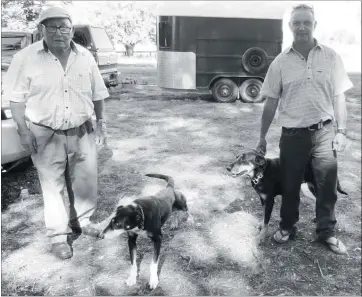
255 60
224 91
253 91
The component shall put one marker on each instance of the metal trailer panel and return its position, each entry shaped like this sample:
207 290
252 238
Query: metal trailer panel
212 45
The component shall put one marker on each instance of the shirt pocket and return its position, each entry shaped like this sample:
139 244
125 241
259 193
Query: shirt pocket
323 74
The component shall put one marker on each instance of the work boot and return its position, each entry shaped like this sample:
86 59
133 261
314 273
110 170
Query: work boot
62 250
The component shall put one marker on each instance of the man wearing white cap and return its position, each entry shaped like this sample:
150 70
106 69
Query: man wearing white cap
56 86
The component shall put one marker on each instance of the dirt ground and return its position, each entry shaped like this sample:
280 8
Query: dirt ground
191 138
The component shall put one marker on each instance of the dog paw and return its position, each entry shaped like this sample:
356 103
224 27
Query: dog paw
173 227
174 222
260 226
190 219
131 281
261 239
262 235
153 282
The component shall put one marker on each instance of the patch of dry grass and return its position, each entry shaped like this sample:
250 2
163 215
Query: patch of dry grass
192 139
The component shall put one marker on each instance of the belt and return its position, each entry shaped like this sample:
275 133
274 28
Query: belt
314 127
319 125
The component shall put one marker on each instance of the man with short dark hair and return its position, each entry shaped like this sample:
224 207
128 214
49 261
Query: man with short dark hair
56 86
306 82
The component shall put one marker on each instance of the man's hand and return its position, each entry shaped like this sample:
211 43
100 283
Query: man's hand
339 142
28 140
261 146
101 133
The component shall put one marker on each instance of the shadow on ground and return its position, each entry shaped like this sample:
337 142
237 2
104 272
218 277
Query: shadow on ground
193 141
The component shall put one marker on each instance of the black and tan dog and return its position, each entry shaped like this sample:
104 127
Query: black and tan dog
147 215
265 175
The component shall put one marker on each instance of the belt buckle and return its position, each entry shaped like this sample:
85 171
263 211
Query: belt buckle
320 125
311 129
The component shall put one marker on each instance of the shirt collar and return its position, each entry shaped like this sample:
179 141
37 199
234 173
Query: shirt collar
75 47
317 45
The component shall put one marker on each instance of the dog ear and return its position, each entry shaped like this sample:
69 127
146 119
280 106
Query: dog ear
139 221
260 160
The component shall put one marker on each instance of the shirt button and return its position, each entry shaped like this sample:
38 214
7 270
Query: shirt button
65 91
66 107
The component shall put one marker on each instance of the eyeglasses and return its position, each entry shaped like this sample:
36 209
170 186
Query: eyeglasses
53 29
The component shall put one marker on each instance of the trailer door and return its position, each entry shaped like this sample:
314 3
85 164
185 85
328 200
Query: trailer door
176 64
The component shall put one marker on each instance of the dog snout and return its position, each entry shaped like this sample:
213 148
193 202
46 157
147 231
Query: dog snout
228 168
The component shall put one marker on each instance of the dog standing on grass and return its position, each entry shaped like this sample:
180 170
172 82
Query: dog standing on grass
147 215
265 175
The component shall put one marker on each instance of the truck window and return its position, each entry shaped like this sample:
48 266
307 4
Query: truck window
164 34
80 39
12 44
101 38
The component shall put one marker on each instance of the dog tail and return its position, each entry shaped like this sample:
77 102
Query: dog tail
169 179
339 188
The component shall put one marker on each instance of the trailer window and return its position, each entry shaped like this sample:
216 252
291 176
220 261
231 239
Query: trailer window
164 34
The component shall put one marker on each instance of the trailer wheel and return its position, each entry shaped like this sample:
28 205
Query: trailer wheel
250 90
225 91
255 60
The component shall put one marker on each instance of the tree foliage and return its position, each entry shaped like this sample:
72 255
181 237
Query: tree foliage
20 15
127 22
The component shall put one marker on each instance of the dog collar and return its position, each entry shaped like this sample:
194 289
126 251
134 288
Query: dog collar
256 179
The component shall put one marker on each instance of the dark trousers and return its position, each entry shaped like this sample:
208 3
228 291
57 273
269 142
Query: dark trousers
297 148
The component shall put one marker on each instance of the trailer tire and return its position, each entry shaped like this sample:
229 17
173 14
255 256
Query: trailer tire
250 91
255 60
225 91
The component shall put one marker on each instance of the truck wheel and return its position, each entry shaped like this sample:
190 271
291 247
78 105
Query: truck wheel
225 91
250 90
255 60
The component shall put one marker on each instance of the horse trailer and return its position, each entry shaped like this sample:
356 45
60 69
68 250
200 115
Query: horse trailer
225 47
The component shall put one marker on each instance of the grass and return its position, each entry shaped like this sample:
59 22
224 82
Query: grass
188 136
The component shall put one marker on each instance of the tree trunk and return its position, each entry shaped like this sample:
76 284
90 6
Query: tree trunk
129 49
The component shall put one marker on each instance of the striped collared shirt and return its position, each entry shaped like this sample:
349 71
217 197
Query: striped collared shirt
54 97
305 89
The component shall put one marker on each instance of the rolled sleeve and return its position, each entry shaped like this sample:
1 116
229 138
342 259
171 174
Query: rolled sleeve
272 85
16 85
99 89
341 80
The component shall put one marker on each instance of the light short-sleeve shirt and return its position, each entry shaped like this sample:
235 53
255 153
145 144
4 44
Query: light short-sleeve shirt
305 89
54 97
